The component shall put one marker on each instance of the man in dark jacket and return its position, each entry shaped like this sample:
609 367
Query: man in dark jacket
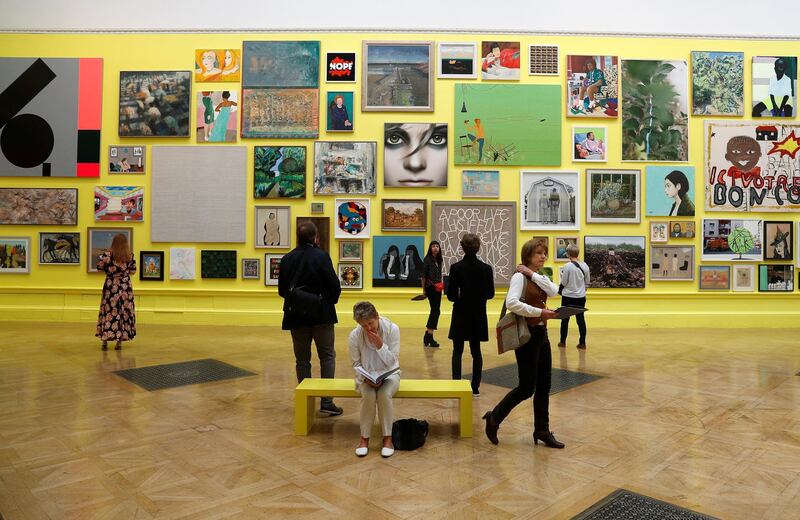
311 269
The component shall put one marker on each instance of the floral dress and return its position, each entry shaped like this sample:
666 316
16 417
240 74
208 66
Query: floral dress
117 318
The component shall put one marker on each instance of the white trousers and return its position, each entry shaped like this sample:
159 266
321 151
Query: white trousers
383 398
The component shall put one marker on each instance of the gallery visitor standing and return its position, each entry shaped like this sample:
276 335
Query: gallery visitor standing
432 286
117 318
574 277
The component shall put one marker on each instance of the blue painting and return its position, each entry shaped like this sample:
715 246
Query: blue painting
670 191
397 260
281 64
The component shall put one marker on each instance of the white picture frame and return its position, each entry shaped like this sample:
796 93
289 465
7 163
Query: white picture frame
743 278
463 49
352 225
556 194
273 227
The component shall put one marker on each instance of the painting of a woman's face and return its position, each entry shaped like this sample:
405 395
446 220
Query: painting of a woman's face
228 58
670 189
415 155
209 59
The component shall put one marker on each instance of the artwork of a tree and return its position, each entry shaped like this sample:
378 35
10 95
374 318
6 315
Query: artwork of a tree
740 241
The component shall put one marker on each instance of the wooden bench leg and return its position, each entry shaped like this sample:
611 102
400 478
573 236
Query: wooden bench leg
465 412
303 413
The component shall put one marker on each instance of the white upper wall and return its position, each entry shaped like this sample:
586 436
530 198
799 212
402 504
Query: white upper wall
741 18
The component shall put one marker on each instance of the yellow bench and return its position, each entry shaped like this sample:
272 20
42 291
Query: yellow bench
309 389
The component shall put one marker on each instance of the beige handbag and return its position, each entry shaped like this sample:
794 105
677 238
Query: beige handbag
512 329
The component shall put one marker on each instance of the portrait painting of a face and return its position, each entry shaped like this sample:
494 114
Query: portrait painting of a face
415 155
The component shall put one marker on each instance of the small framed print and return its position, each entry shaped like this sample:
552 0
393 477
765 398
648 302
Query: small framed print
589 143
272 268
674 263
715 277
151 266
351 276
561 245
543 60
352 218
317 207
404 215
341 111
658 232
681 229
775 277
458 60
341 67
60 248
16 253
126 159
778 238
744 278
251 268
480 184
272 227
351 251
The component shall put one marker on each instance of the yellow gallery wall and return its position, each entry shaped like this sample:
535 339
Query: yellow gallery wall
69 293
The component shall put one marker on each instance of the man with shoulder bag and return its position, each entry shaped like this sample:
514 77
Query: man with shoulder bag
310 290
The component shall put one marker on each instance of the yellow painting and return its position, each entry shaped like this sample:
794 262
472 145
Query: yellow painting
224 65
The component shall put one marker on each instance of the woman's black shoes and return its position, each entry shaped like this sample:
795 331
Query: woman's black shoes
547 438
428 341
491 427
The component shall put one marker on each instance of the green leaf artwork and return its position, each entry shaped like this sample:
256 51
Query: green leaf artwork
740 241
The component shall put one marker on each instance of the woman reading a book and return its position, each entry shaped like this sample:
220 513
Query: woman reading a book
374 349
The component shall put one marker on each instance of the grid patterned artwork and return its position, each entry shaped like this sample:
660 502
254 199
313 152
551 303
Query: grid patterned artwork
543 60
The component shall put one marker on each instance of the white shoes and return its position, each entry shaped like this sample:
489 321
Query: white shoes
387 452
362 452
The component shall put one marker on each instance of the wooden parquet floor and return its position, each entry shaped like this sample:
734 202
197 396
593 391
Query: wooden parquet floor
708 419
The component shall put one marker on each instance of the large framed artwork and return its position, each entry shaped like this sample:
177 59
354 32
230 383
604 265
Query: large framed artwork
726 239
51 117
216 115
341 112
293 64
508 125
775 278
217 264
717 83
217 65
182 263
98 240
404 215
155 103
493 222
592 86
480 184
119 203
670 191
613 196
616 262
342 167
749 166
126 159
280 172
715 277
397 260
323 225
671 263
457 60
39 206
151 266
774 86
397 76
655 104
500 61
779 240
272 227
351 275
15 255
590 143
415 155
549 200
286 113
353 218
62 248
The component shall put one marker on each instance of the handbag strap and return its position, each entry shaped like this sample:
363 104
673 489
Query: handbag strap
521 298
580 269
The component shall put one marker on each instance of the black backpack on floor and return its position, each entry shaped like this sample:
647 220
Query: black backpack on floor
409 434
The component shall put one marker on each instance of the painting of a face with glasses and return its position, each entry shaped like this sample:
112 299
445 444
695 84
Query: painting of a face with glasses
415 155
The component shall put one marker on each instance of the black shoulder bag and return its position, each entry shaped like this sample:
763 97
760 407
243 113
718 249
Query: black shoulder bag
409 434
303 302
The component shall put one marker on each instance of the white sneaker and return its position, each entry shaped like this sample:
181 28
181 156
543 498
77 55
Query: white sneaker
387 452
362 451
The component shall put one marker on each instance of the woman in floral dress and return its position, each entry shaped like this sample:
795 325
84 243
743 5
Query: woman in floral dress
117 319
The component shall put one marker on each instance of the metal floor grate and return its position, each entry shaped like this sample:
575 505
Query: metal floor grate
159 377
508 377
627 505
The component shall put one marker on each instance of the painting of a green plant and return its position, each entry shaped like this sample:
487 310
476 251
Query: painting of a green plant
717 83
654 111
740 241
280 171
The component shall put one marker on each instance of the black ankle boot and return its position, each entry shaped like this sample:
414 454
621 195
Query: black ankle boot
426 339
547 438
491 427
433 342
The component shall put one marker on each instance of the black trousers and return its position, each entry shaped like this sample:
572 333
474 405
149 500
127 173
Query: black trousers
323 337
435 300
477 361
566 301
534 363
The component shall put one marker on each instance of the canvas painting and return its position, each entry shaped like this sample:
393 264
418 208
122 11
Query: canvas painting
507 125
774 86
457 60
725 239
659 233
182 263
126 159
655 108
272 227
351 250
751 166
272 268
99 240
670 191
493 222
15 255
589 143
39 206
351 276
397 76
281 64
217 65
280 172
63 248
119 203
561 244
681 229
317 208
592 86
415 155
397 260
744 278
715 277
549 200
500 61
155 103
404 215
286 113
341 67
717 83
52 112
615 262
613 196
151 266
543 60
217 113
251 269
480 184
217 264
341 114
775 278
342 167
352 218
671 263
778 240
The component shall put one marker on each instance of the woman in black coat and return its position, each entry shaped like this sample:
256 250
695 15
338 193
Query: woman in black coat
471 284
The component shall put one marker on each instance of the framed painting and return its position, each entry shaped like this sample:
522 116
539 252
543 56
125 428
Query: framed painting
39 206
126 159
151 266
592 86
397 76
543 60
340 67
561 244
717 83
317 207
590 143
404 215
352 218
182 263
480 184
659 232
280 172
272 268
500 61
744 278
670 191
119 203
493 221
774 78
778 240
457 60
217 264
60 248
616 262
342 167
251 268
281 113
341 114
351 251
775 277
217 65
613 196
217 113
15 255
351 275
155 103
726 239
415 155
671 263
549 200
681 229
272 227
397 260
292 64
98 240
715 278
323 225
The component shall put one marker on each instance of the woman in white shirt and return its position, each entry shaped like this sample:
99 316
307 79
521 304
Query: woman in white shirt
534 360
375 347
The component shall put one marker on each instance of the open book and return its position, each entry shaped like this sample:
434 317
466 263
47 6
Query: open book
376 377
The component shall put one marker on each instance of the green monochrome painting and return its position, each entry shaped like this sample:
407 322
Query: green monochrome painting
512 125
